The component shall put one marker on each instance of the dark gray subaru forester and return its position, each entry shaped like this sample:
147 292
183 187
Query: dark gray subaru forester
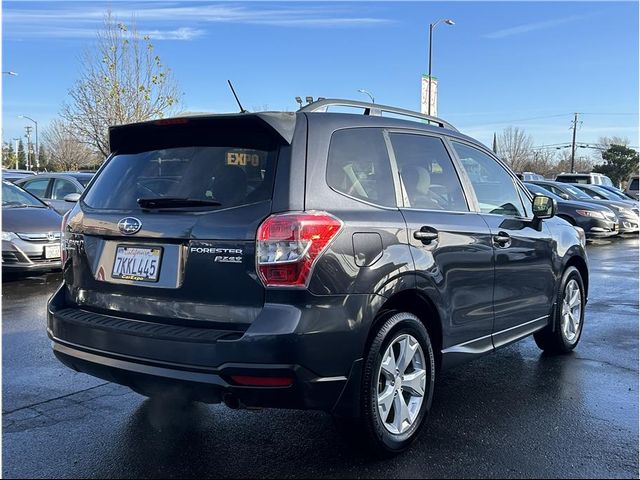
315 260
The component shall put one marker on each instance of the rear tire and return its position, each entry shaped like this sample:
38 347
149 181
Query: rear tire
395 406
563 333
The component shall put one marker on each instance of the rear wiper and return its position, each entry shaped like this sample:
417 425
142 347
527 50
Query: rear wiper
175 202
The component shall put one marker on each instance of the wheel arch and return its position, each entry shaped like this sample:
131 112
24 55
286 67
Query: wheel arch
581 265
421 306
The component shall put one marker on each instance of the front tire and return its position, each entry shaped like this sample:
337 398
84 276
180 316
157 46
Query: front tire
397 384
563 334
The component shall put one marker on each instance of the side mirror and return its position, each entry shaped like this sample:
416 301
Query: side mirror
72 197
543 207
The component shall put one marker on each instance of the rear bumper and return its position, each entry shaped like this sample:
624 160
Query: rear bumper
203 362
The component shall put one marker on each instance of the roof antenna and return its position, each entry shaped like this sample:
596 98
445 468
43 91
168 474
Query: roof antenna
242 110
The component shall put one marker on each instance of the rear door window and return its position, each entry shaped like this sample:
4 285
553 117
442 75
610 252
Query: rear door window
228 176
359 166
428 178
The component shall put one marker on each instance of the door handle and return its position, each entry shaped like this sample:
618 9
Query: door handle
426 235
503 239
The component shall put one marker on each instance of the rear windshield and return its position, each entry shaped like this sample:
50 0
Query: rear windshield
14 196
226 175
574 179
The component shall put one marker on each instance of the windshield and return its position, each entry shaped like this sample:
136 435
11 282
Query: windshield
603 192
211 177
14 196
537 190
576 192
617 194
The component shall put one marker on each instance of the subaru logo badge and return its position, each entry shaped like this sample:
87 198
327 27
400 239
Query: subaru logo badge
129 225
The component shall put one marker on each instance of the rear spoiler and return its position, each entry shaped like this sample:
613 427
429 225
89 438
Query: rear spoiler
265 130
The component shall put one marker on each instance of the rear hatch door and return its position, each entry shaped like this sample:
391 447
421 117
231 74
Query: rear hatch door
167 230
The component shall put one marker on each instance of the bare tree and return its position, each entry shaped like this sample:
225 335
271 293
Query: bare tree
65 151
607 142
583 163
542 162
122 80
515 147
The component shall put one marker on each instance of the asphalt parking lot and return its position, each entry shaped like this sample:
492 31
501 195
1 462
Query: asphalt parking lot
515 413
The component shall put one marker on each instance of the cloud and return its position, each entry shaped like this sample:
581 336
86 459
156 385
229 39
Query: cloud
165 21
183 33
531 27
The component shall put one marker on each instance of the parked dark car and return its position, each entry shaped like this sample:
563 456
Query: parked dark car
30 232
60 190
597 221
313 260
12 175
627 216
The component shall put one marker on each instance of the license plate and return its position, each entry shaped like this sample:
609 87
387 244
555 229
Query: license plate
52 251
140 264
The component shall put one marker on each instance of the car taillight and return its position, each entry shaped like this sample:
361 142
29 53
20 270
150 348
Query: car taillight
288 244
63 237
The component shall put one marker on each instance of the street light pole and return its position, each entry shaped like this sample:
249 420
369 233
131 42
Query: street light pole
16 139
37 145
433 25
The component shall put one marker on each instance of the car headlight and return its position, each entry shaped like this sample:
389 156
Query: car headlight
8 236
590 213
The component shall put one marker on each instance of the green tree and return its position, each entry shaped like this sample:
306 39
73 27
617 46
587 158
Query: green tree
8 155
42 157
22 155
619 163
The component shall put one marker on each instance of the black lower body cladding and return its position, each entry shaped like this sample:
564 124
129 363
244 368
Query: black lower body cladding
296 355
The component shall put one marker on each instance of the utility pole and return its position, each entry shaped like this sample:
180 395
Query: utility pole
573 142
28 136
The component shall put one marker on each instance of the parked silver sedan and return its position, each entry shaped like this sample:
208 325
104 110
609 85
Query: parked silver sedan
30 232
60 190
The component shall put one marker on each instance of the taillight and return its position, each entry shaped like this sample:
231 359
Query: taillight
63 237
288 245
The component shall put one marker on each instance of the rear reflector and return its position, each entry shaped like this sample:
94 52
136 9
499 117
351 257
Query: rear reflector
288 244
262 381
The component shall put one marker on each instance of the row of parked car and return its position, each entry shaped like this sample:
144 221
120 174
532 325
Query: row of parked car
590 201
32 209
31 240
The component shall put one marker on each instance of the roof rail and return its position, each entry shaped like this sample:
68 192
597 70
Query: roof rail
373 109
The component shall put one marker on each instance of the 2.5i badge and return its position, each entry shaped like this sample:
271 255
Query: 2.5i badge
220 255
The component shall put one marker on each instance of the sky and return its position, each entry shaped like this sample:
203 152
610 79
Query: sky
525 64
